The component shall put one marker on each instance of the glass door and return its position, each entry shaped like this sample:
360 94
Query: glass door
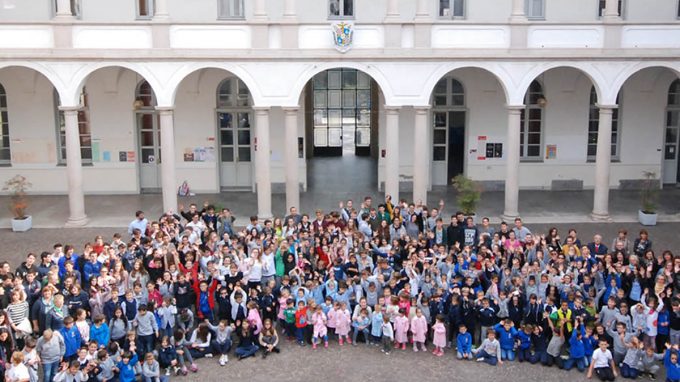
148 126
235 149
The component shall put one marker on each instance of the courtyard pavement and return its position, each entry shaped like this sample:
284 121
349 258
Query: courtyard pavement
51 211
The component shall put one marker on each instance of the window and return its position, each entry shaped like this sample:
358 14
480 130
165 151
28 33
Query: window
341 8
672 122
233 117
452 8
678 12
75 7
5 155
144 9
448 113
535 9
83 129
603 3
230 9
531 126
593 126
342 101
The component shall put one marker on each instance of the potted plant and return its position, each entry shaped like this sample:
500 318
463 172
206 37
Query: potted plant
17 187
468 194
647 214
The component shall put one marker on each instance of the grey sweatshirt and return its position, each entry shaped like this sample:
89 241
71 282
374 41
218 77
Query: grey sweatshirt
221 335
146 324
118 328
151 370
492 348
106 369
620 346
52 350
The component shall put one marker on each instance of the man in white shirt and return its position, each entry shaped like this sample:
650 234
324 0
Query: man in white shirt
268 265
603 363
140 223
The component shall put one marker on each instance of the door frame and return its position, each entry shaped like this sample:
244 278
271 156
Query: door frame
138 148
466 139
218 144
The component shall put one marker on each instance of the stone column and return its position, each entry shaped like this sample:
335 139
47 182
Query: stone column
160 9
392 152
292 171
422 9
602 163
262 165
392 9
74 169
64 8
512 163
260 10
611 9
420 155
518 11
168 178
289 9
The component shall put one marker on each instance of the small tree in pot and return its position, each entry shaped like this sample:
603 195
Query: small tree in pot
468 195
648 196
17 187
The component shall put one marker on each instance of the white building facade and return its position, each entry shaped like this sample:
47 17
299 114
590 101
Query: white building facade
101 97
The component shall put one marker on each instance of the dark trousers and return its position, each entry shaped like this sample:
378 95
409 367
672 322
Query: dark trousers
145 343
605 373
524 355
221 347
629 372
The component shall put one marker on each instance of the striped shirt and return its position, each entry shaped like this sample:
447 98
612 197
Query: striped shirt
17 312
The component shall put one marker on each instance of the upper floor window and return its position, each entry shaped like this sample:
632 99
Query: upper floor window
531 127
75 7
678 9
231 93
340 8
603 3
4 128
449 92
594 125
144 9
535 9
83 129
230 9
451 8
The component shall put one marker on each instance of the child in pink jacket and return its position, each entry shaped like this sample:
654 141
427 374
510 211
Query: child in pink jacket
343 320
401 330
439 340
419 330
320 331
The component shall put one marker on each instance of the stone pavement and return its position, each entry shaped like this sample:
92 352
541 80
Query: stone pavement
51 211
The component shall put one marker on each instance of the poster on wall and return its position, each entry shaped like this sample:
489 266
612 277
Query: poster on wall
188 156
130 156
199 154
106 156
481 147
209 154
122 156
550 151
95 150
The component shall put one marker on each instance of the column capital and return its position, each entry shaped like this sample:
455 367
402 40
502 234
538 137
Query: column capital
290 109
261 109
165 109
422 109
515 108
606 108
69 109
392 109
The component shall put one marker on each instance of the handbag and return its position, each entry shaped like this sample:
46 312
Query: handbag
25 326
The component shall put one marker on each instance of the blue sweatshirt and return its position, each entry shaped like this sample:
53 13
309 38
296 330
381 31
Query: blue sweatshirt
100 334
464 342
127 372
524 340
506 337
577 349
672 369
72 340
589 345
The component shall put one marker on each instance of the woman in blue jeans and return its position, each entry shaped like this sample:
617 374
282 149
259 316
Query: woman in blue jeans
247 345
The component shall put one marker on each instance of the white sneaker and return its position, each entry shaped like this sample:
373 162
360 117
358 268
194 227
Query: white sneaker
208 355
222 363
167 372
480 359
226 358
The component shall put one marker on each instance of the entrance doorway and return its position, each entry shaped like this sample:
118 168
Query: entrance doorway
341 117
671 163
234 116
149 138
449 117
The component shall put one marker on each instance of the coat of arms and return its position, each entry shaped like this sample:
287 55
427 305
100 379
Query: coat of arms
343 33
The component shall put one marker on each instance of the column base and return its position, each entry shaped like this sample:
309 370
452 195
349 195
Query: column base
509 216
600 216
264 216
74 222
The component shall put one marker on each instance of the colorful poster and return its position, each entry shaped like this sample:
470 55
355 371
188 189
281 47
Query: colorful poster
106 156
481 147
130 156
550 151
95 150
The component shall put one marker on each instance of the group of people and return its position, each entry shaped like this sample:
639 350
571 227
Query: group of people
191 285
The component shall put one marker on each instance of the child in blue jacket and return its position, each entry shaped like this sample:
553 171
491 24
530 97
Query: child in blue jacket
670 361
126 366
463 343
72 339
506 336
99 331
577 349
524 342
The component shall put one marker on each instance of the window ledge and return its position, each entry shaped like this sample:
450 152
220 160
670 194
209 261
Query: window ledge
531 160
612 160
5 165
340 18
84 164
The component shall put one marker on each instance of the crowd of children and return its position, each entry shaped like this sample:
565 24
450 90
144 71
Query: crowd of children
192 286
